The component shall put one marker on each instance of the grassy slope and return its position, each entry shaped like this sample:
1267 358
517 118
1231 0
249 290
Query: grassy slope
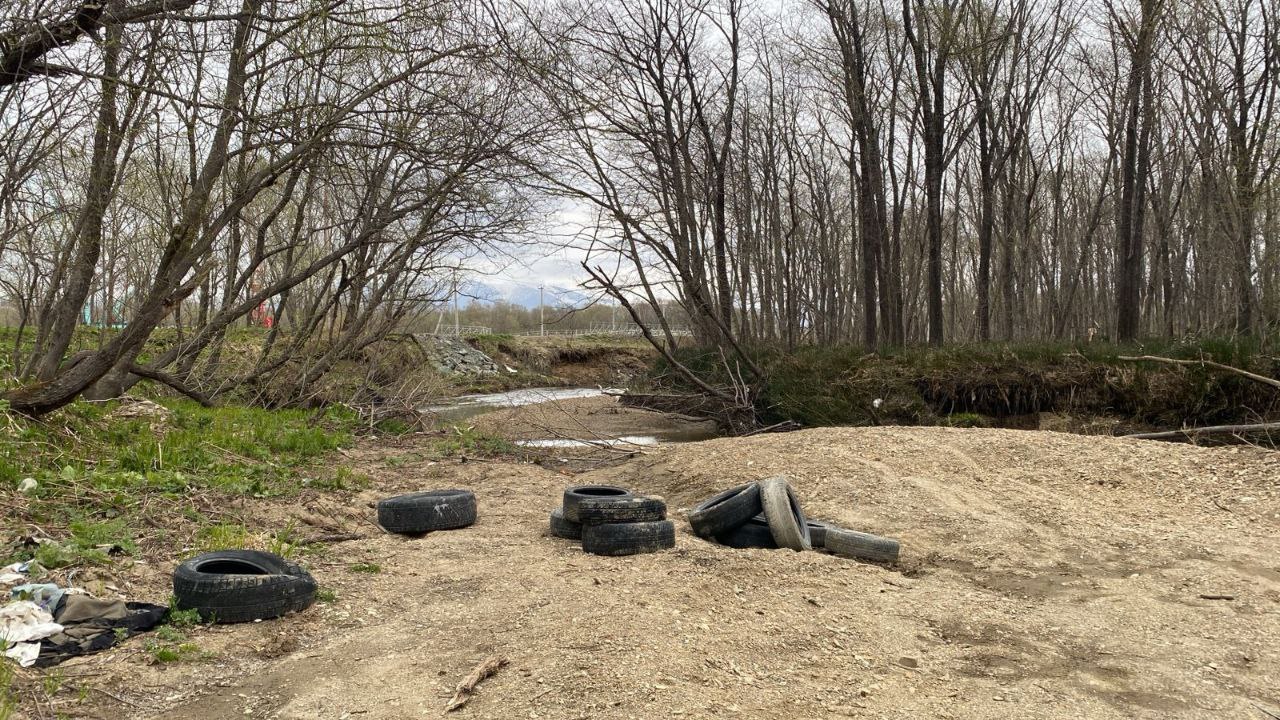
99 477
145 484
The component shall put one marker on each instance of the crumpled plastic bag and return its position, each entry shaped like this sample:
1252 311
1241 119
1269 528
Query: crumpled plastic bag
10 574
22 625
45 595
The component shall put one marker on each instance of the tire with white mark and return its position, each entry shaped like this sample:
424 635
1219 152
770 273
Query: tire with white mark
422 512
818 532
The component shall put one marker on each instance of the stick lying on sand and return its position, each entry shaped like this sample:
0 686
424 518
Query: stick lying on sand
487 667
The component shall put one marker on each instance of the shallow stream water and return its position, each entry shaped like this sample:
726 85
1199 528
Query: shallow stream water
468 406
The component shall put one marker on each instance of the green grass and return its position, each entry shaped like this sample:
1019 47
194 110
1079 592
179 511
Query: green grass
343 478
100 480
460 440
8 702
366 568
170 642
181 618
176 652
222 536
97 476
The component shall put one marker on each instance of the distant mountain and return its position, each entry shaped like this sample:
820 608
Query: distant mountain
523 296
553 296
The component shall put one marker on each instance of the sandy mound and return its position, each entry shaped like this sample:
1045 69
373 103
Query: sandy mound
1045 576
1046 559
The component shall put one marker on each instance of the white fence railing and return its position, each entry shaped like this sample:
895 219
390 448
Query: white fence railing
594 329
606 330
458 330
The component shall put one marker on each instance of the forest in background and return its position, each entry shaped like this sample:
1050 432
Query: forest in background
816 172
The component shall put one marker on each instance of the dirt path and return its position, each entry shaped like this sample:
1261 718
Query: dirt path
1044 576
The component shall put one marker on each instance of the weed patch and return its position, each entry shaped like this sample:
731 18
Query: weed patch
459 440
98 474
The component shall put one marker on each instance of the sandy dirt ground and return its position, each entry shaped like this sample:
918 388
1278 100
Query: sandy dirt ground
1044 575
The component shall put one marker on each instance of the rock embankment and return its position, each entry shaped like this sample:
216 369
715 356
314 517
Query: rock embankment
453 356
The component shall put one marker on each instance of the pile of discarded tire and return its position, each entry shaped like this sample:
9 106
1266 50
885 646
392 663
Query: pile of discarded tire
231 586
767 515
613 521
423 512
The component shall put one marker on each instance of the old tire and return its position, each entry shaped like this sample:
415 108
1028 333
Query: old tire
575 495
752 534
818 533
725 512
562 528
628 538
422 512
607 510
862 546
230 586
782 511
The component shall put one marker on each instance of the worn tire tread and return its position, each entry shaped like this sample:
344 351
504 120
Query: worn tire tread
628 538
605 511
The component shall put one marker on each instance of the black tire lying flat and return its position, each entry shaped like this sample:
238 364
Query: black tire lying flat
231 586
603 511
422 512
562 528
862 546
575 495
818 533
752 534
725 512
628 538
782 510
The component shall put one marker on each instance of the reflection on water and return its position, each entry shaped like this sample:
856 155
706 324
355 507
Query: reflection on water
608 442
663 430
466 406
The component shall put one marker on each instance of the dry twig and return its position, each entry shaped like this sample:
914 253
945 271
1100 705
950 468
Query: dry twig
487 667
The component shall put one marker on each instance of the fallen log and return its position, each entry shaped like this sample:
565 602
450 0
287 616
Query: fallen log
1207 430
1204 363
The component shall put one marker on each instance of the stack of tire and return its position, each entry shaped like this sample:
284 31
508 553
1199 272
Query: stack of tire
766 514
423 512
614 521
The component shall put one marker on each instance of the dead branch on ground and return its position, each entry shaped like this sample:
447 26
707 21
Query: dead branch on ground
487 667
1187 433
